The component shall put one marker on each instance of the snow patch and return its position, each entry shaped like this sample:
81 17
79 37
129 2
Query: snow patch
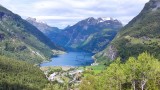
107 18
103 19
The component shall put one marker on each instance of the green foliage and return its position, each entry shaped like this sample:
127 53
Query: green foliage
54 69
139 73
94 69
19 75
144 27
90 83
56 86
102 60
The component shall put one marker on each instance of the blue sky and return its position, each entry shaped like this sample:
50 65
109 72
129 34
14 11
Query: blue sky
61 13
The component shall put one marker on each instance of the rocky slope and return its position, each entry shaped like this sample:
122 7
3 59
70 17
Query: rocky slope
21 40
140 35
43 27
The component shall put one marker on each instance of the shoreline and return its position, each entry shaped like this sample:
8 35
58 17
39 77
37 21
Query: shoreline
65 68
95 61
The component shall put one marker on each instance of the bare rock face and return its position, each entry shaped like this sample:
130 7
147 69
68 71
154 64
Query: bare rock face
112 52
155 4
152 5
107 55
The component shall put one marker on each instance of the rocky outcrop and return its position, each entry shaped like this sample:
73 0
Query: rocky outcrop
112 53
43 27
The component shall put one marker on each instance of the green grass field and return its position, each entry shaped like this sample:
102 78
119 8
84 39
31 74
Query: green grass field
92 70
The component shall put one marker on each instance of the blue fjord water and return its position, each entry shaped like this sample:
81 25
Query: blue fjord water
71 59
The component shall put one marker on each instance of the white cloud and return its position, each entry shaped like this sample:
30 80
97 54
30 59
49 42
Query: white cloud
61 13
48 4
57 18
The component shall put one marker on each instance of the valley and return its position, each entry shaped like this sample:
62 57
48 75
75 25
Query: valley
91 34
93 53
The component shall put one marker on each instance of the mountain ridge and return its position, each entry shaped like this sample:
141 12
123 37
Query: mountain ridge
92 34
22 40
86 33
139 35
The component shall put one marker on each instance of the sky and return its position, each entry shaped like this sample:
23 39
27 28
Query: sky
61 13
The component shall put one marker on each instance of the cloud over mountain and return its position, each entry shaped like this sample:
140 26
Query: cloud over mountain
63 12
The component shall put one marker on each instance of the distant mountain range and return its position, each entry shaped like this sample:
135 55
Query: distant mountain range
140 35
91 34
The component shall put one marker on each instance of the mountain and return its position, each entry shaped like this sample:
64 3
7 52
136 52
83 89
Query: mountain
141 34
21 40
91 34
53 33
43 27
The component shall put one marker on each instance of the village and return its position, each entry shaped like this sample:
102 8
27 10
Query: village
66 74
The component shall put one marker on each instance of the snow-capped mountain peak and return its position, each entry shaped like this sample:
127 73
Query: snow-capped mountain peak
107 18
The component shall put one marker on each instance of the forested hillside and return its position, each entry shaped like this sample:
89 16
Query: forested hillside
19 75
21 40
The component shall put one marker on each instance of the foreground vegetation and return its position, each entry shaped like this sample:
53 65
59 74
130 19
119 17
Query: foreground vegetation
19 75
141 73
